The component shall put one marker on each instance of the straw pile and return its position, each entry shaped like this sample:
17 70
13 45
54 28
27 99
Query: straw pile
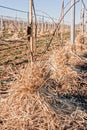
33 77
62 64
81 43
81 39
34 102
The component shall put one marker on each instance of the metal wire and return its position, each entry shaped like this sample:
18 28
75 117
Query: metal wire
13 9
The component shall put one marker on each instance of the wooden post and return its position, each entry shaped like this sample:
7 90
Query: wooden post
28 18
73 22
1 23
86 21
62 25
82 9
43 24
31 25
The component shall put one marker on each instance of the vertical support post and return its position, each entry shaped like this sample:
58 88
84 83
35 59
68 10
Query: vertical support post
73 22
1 23
31 24
86 21
28 18
42 24
45 26
19 25
82 9
62 25
16 22
53 26
23 25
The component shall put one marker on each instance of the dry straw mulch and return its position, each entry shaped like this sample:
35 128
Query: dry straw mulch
34 102
63 64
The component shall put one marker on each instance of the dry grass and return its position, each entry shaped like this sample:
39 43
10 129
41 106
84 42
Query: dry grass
81 43
81 39
33 102
62 67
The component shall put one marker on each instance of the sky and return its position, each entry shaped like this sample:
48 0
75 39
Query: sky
51 7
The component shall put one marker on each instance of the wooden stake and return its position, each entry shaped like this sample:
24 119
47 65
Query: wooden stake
73 22
86 21
31 25
62 25
2 23
82 9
